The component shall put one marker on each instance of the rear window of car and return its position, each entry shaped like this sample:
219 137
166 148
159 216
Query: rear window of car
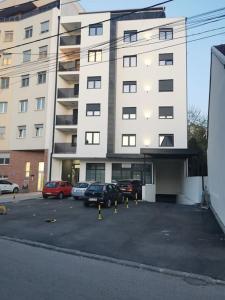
51 184
96 188
124 182
81 185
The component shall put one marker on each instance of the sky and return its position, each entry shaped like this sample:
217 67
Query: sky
198 52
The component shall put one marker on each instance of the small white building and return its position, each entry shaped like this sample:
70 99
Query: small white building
216 138
121 110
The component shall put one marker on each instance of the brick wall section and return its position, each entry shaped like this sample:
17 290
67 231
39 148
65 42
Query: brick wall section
15 171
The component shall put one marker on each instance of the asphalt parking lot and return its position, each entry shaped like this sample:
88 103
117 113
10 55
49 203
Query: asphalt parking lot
184 238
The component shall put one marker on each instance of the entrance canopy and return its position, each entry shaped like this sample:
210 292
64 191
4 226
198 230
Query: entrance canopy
168 153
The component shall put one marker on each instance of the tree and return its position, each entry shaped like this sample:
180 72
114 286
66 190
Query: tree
197 141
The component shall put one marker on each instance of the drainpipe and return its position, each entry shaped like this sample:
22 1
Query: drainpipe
55 100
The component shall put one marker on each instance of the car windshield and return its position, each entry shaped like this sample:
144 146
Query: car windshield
51 184
81 185
96 188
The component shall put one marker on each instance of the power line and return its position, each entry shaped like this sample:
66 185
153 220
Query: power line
73 54
86 26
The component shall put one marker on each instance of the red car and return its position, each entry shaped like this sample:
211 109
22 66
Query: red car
59 189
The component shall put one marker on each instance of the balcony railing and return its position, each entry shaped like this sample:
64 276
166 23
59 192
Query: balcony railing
70 40
69 66
68 148
68 92
66 120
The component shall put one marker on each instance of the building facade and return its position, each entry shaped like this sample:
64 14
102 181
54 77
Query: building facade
216 144
27 82
121 109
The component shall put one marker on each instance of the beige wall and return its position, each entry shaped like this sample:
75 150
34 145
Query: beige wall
15 93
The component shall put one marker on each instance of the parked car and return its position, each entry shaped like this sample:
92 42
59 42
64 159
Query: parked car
79 189
130 188
8 187
103 193
59 189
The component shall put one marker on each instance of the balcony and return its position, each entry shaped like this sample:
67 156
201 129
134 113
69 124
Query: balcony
66 120
72 40
65 93
65 148
69 70
69 66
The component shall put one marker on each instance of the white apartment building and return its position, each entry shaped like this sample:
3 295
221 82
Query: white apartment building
27 82
121 109
216 144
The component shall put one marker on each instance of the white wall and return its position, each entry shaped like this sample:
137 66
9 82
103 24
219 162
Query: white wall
147 74
191 192
216 142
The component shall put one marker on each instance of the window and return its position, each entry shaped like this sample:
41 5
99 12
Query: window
129 140
95 55
43 52
42 77
166 85
92 138
40 103
166 59
166 140
28 32
8 36
165 112
129 86
23 106
95 172
25 79
7 59
130 61
166 33
129 113
4 82
4 158
27 169
22 132
93 109
38 130
44 26
94 82
96 29
130 36
74 140
2 132
3 107
27 56
138 172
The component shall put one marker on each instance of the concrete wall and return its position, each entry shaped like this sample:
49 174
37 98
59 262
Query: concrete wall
191 192
216 142
168 176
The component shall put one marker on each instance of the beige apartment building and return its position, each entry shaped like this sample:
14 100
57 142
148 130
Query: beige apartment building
27 84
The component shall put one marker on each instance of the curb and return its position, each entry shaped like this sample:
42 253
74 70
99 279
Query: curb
202 279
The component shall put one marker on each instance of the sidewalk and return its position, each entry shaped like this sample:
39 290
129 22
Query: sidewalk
19 197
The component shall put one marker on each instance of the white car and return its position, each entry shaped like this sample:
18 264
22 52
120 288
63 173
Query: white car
79 189
8 187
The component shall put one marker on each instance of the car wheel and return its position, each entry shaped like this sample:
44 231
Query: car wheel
108 203
45 196
86 203
61 196
15 190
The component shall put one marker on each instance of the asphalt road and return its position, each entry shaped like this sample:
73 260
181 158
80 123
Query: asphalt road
168 236
34 273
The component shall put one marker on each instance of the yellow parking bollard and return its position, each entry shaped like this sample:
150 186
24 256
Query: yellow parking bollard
100 217
127 203
136 199
115 209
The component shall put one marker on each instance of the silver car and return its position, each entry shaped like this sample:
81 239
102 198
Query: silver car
79 189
